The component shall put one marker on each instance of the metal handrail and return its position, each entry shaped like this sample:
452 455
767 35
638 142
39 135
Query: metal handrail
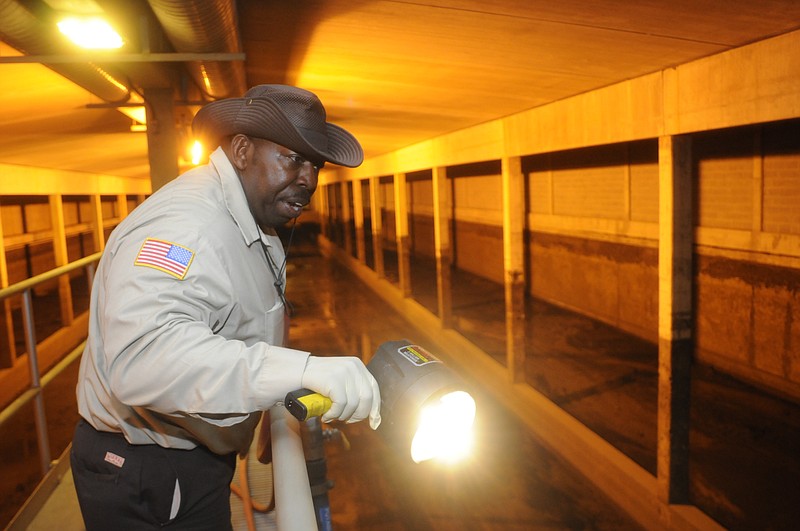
34 392
29 283
48 377
293 502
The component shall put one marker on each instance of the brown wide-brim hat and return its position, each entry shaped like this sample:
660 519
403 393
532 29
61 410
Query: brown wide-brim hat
289 116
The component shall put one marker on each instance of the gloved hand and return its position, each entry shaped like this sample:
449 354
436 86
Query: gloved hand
350 386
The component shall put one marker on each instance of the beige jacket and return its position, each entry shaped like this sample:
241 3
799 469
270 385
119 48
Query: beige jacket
186 327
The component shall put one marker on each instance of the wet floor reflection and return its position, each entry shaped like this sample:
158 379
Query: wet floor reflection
512 483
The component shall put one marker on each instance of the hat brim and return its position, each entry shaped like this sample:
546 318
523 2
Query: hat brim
263 118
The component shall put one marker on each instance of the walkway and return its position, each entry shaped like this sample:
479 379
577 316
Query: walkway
511 484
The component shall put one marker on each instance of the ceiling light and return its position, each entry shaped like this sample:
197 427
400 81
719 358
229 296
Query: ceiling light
92 33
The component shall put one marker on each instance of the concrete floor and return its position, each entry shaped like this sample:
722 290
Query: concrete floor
744 443
511 483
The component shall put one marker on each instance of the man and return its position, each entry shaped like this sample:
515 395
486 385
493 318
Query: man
188 321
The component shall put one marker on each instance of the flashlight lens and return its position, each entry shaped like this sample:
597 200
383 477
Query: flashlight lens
445 429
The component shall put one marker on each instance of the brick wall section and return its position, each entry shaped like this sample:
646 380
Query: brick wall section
781 213
479 249
725 167
643 165
590 182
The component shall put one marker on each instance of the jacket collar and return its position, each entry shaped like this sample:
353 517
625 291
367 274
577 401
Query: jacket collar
235 200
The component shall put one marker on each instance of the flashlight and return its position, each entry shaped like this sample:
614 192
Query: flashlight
305 404
424 407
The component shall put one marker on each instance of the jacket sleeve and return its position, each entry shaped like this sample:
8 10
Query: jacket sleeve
160 345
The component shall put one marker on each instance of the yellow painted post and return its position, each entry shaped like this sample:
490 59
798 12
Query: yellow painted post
332 200
442 236
162 140
8 352
376 205
358 217
98 230
61 257
122 206
320 202
401 229
513 265
346 217
675 317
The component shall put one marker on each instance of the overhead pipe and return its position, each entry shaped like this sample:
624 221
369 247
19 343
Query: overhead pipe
205 26
26 32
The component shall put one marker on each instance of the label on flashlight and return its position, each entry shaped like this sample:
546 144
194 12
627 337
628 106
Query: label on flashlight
417 355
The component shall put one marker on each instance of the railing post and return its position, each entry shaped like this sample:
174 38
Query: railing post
33 364
294 508
90 277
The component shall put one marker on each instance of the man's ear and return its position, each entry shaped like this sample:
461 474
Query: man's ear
239 151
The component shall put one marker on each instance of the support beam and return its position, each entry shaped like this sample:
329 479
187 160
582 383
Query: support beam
675 318
100 56
347 216
122 206
162 136
61 257
332 200
8 350
320 203
443 237
376 207
401 228
513 265
358 218
98 230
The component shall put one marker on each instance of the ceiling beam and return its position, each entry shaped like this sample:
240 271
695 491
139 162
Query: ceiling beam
123 58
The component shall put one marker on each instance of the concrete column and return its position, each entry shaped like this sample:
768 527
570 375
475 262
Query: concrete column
347 215
98 228
514 265
401 228
61 257
443 238
675 318
8 353
162 136
358 218
376 205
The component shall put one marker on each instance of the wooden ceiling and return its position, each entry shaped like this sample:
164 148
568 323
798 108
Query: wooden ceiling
399 72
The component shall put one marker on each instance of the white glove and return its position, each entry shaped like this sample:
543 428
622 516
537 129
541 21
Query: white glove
350 386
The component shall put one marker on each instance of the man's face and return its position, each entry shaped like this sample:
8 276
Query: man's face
277 181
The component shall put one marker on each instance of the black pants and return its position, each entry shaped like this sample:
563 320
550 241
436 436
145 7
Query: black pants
122 486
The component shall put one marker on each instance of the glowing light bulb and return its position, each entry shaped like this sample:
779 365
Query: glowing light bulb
445 429
92 33
197 152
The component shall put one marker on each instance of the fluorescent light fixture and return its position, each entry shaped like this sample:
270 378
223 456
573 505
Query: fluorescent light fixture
92 33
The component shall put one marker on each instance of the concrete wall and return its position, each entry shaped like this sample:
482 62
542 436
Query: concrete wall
592 238
747 287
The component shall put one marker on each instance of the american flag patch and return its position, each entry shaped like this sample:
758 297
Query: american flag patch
165 256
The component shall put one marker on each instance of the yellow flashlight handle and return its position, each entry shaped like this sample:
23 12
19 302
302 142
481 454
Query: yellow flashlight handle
305 404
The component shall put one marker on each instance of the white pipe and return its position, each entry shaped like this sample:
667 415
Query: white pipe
294 509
